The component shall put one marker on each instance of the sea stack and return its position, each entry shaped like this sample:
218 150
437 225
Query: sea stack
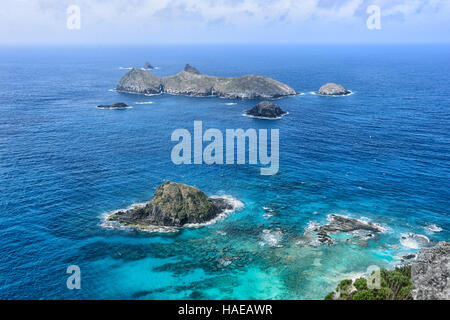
266 110
173 205
191 69
148 65
333 89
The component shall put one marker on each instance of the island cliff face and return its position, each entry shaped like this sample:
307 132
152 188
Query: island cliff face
191 82
140 81
173 205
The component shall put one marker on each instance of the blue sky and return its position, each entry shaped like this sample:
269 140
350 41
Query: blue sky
147 22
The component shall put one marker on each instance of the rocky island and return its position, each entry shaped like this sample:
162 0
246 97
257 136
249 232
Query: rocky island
173 205
266 110
119 105
333 89
192 83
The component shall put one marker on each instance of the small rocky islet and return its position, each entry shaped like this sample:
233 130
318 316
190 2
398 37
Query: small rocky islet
266 110
333 89
173 205
118 105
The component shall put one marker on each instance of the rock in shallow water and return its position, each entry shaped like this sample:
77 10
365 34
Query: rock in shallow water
266 109
338 223
333 89
173 205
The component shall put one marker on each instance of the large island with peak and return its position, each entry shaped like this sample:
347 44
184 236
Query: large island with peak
193 83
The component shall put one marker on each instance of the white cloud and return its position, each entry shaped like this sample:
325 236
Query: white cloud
112 21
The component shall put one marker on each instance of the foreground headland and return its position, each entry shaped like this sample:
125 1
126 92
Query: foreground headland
424 278
192 83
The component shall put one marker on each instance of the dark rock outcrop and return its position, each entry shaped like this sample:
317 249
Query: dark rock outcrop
266 109
333 89
341 224
338 223
119 105
173 205
430 273
192 83
148 65
191 69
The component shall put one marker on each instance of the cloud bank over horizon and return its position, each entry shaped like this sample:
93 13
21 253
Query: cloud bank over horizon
147 22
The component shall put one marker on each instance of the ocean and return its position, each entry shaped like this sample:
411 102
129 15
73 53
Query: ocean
380 155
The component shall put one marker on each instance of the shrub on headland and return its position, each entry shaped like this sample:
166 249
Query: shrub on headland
394 285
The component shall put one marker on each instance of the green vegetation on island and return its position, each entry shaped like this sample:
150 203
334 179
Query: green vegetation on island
394 285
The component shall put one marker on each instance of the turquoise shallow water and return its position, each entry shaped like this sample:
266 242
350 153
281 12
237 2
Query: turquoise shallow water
380 154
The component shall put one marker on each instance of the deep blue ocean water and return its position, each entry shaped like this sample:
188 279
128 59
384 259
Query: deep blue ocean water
381 154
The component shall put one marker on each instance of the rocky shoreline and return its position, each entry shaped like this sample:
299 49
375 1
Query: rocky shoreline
430 273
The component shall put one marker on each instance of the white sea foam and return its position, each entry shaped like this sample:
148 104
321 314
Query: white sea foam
144 102
414 241
268 212
271 238
230 103
125 68
312 226
432 228
224 262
